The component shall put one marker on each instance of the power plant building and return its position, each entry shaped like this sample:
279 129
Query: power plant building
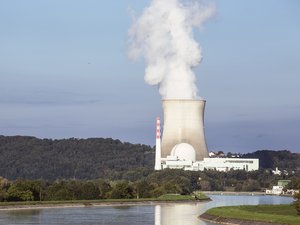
219 164
183 144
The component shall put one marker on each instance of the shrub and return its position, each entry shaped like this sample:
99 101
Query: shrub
297 198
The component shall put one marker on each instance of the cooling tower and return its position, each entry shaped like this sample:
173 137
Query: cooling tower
184 123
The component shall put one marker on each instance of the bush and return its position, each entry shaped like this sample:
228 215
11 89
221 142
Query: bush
297 198
122 190
297 206
297 202
15 193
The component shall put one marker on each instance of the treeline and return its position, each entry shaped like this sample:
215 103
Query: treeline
140 183
284 160
33 158
152 186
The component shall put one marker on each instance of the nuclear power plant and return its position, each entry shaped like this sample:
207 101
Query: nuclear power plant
183 139
171 53
183 144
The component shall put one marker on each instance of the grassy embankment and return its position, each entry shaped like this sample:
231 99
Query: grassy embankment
282 214
163 198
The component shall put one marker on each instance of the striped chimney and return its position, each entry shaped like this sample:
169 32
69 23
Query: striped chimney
158 146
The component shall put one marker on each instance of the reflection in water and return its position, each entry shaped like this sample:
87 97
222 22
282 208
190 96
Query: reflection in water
20 216
179 214
22 213
162 214
187 214
157 215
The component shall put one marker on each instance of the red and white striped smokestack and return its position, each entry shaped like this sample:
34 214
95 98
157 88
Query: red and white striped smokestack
158 146
158 134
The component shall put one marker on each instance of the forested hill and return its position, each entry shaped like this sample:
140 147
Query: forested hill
33 158
282 159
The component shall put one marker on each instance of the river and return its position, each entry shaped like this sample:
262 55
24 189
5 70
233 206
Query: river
160 214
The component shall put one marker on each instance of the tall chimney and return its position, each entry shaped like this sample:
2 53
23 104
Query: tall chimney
158 146
184 123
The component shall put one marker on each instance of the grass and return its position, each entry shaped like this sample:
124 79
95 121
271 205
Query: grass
168 197
175 197
201 196
285 214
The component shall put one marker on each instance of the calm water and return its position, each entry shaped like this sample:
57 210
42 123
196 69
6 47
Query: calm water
161 214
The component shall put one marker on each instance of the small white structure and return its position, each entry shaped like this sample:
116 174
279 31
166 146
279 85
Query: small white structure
291 192
212 154
276 190
276 171
184 152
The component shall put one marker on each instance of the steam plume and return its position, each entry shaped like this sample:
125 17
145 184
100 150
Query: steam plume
163 35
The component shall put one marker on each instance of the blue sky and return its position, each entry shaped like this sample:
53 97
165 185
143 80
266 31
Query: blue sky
64 72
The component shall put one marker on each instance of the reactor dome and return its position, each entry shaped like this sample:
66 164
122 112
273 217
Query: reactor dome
184 152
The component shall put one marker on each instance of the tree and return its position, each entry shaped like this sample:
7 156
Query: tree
251 185
90 191
104 189
297 198
229 155
184 185
122 190
204 185
4 185
143 189
58 191
17 193
297 202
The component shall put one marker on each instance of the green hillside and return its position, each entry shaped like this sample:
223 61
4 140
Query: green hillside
33 158
283 159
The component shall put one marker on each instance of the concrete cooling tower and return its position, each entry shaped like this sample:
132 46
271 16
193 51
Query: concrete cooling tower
183 129
183 143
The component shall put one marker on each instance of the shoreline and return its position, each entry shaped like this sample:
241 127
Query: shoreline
272 214
232 193
230 221
88 204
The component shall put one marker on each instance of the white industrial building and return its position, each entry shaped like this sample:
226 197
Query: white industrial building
183 156
219 164
183 144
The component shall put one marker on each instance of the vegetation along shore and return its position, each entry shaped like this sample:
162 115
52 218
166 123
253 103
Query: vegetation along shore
168 198
259 214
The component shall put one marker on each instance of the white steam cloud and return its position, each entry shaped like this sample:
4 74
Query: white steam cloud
163 35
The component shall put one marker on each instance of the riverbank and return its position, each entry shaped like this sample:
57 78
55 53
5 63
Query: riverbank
104 202
256 215
242 193
232 193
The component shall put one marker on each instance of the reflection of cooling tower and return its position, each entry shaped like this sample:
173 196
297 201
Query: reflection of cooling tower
184 123
179 214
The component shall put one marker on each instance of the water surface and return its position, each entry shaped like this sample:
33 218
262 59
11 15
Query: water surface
160 214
